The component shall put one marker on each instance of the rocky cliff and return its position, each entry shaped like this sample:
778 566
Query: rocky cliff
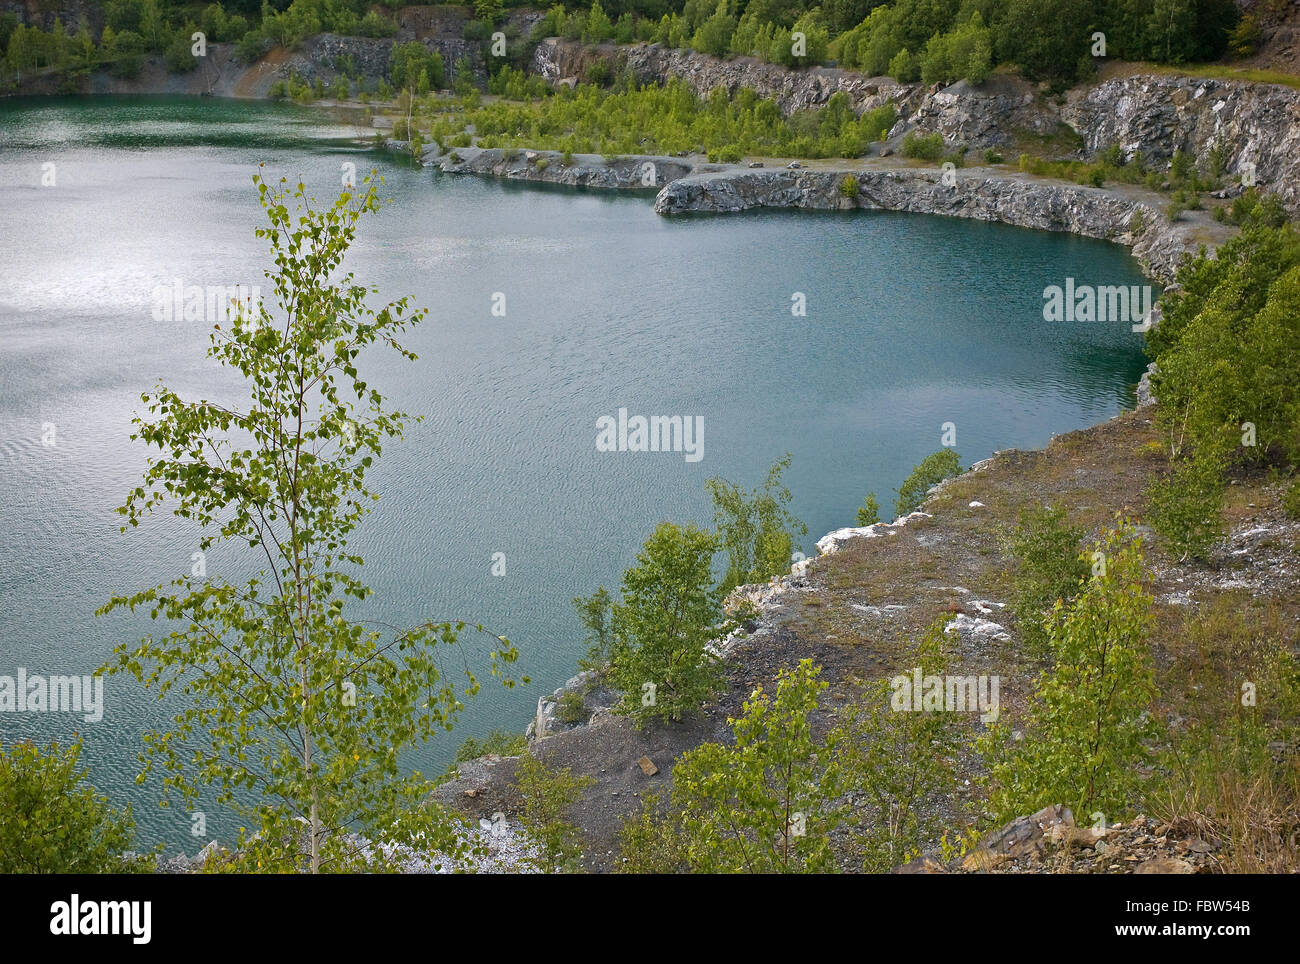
643 172
1255 128
1127 217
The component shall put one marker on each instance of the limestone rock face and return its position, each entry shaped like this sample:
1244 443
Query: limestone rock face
1253 128
586 170
1009 198
1156 115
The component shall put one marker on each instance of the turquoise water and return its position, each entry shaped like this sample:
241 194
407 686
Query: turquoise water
911 322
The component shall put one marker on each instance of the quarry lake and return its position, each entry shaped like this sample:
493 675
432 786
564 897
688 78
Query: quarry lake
911 322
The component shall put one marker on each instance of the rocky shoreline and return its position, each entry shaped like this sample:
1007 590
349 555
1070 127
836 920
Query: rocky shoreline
1128 216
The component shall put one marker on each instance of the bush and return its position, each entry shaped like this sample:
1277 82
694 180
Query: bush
849 186
1221 771
1089 722
735 805
547 796
571 708
755 528
669 613
905 67
598 73
409 61
925 147
178 56
1291 500
932 470
1185 505
1049 570
498 742
869 511
899 762
53 822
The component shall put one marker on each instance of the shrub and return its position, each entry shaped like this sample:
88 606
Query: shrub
1221 771
498 742
905 67
756 529
869 511
178 54
669 613
1291 500
932 470
594 611
571 708
768 802
56 824
1089 725
898 761
547 796
925 147
849 186
1185 505
1049 569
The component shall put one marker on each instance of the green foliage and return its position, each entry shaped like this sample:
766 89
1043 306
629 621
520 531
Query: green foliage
178 55
1291 500
1046 38
1245 37
489 11
849 187
925 147
665 120
767 803
597 27
1237 687
965 53
56 824
571 708
650 841
547 795
1185 505
595 612
1049 569
869 511
900 761
408 62
1238 348
932 470
756 529
464 83
286 708
1088 728
1227 352
714 35
669 613
904 67
498 742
